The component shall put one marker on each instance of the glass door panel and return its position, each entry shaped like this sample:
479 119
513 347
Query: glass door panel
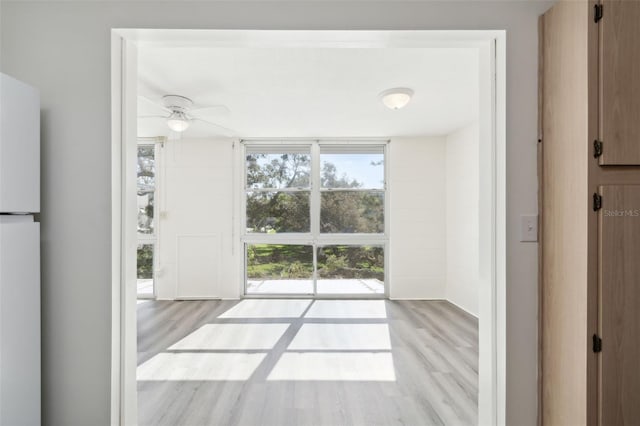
279 269
349 269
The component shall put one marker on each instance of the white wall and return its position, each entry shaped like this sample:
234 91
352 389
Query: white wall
462 218
416 169
197 254
63 48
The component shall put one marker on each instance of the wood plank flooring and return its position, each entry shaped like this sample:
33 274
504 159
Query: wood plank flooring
304 362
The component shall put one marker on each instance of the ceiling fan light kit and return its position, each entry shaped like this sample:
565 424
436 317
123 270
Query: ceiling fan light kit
396 98
178 105
178 121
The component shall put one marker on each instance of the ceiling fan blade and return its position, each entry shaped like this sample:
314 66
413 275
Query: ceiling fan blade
153 116
154 104
215 109
225 131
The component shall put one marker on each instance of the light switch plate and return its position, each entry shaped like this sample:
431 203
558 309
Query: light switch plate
529 228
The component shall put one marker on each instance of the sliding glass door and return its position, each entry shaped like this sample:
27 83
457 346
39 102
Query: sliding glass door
314 215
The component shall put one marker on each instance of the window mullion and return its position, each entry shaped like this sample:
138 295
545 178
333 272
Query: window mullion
315 191
315 208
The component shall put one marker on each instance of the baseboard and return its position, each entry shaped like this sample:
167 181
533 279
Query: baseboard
461 308
416 298
431 299
180 299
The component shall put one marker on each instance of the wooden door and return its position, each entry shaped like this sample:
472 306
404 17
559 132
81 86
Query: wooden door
619 288
619 32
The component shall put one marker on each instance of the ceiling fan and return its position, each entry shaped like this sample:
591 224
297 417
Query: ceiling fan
181 113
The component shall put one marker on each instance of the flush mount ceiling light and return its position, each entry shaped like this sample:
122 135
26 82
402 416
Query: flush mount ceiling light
396 98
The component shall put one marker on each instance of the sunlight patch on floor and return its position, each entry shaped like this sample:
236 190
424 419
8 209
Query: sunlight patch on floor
342 337
233 336
200 366
361 366
347 309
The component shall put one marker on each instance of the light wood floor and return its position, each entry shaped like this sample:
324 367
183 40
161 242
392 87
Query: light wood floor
303 362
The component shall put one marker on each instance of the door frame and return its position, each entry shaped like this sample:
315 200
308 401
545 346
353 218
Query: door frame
492 306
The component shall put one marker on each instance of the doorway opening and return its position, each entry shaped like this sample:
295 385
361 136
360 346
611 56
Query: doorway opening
376 212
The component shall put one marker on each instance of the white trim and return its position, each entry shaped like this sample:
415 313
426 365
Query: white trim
117 67
124 232
499 217
461 308
123 402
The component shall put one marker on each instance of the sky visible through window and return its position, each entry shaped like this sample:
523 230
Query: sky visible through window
367 169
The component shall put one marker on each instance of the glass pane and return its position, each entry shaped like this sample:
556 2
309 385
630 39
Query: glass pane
351 170
351 269
278 212
352 212
145 269
279 268
279 170
146 187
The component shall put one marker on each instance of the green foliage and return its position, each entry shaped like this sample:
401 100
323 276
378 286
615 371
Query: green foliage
330 179
275 211
145 261
351 262
282 261
349 212
146 187
334 262
279 261
278 212
278 170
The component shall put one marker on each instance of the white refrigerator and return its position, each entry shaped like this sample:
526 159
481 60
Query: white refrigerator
19 254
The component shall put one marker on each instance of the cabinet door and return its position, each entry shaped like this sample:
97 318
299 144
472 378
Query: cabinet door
620 82
619 287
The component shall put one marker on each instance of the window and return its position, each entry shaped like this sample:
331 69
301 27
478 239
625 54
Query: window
352 189
314 218
146 183
278 189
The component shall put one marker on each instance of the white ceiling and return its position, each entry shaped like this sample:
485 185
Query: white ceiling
313 92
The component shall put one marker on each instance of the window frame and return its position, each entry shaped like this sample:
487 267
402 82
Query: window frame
151 239
314 238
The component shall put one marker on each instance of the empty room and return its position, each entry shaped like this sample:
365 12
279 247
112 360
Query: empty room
311 240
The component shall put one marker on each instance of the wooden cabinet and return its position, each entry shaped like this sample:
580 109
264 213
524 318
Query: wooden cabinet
619 294
590 232
619 58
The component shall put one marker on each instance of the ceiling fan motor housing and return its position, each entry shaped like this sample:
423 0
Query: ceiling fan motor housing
177 103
